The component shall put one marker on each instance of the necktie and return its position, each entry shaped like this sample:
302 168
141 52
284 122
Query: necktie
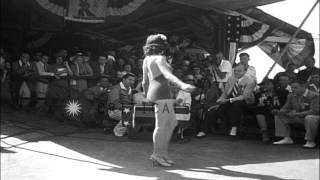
235 91
102 69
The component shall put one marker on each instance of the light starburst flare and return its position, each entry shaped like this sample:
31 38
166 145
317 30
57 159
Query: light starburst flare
73 108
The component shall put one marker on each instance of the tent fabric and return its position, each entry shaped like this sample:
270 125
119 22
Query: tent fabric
301 47
224 4
298 50
207 30
43 20
42 39
274 22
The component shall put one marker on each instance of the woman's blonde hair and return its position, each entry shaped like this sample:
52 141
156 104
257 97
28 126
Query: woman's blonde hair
156 44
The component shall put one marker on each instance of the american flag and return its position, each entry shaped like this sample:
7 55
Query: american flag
126 115
233 28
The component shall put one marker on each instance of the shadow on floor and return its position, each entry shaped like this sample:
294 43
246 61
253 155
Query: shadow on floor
207 157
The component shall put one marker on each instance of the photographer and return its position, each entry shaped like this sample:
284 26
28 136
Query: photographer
266 101
222 69
120 96
94 102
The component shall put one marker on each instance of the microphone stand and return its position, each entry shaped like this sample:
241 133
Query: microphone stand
204 91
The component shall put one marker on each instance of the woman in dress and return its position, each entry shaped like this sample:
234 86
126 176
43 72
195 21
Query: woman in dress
156 76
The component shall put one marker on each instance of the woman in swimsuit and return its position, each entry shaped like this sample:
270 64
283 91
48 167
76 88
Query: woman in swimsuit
156 76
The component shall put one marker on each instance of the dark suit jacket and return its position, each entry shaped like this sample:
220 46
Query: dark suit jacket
21 73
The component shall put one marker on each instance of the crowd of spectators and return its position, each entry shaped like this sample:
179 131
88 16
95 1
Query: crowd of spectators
226 92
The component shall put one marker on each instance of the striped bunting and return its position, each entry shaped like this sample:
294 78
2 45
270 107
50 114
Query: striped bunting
252 32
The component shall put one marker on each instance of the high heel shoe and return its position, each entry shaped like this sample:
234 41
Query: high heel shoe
169 161
159 162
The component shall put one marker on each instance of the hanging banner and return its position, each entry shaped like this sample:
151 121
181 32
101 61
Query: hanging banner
298 50
89 11
253 32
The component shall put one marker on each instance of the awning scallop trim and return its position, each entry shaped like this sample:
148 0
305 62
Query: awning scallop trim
53 8
111 11
125 10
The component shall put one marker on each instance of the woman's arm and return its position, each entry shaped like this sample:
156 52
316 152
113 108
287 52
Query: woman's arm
164 69
145 80
138 87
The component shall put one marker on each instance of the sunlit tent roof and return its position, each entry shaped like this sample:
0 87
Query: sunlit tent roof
211 24
225 4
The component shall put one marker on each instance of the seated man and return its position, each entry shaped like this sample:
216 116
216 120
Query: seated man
250 70
238 93
302 106
283 82
204 100
267 99
94 102
305 74
289 72
120 96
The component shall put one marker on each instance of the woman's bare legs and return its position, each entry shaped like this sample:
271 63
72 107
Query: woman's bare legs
163 129
171 123
160 130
